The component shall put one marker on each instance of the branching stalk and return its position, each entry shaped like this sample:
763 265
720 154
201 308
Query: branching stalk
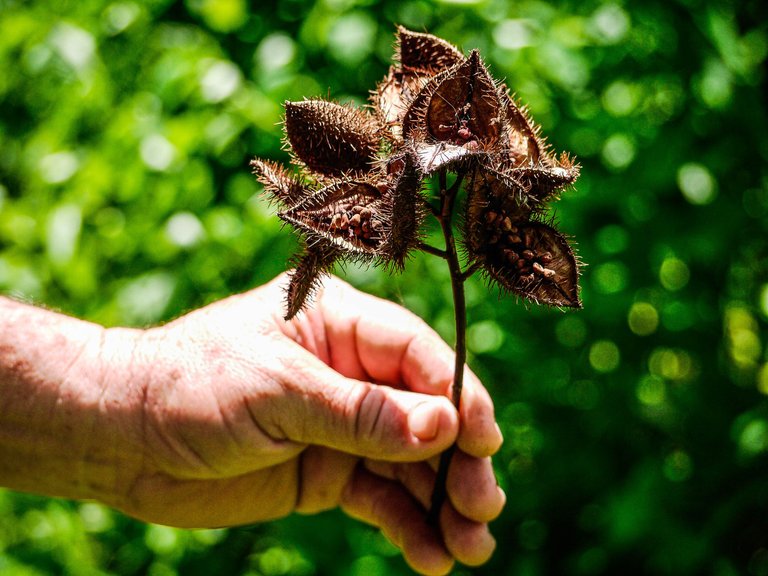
447 203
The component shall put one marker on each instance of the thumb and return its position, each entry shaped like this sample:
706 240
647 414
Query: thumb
320 406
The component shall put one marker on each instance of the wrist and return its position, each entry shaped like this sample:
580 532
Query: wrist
65 424
112 375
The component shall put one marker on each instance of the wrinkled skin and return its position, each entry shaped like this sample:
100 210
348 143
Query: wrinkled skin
247 418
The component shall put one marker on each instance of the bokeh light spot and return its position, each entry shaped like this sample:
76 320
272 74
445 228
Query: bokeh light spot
674 273
145 298
753 438
678 466
62 232
620 98
351 38
611 277
220 80
513 34
221 15
485 337
119 16
643 318
696 183
184 230
75 46
763 300
276 51
742 336
762 379
715 86
610 23
619 151
157 152
671 364
58 167
604 356
612 239
651 390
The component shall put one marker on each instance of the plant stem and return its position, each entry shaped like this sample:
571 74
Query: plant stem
432 250
447 202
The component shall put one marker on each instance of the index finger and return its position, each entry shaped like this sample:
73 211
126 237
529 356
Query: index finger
373 339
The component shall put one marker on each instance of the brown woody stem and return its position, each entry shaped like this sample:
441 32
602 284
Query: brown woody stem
447 202
432 250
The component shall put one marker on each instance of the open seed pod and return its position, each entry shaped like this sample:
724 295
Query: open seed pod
521 254
456 115
418 56
539 183
346 214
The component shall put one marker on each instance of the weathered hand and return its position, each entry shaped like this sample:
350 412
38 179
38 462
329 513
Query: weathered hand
247 417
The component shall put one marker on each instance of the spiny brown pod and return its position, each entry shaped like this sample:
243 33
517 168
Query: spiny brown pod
307 274
332 139
418 56
535 261
457 114
404 208
279 184
346 214
540 182
521 254
424 53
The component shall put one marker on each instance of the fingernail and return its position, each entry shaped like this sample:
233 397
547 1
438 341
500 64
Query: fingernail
499 433
424 421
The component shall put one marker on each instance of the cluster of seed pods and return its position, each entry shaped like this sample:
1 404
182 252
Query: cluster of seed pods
358 194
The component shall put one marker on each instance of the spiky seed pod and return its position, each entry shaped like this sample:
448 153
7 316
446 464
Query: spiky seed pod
524 145
425 53
489 190
332 139
524 256
404 208
419 56
393 96
346 214
307 274
535 261
456 115
279 184
539 183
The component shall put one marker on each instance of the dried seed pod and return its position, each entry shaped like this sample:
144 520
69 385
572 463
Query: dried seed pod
541 183
280 185
554 282
424 52
526 158
307 274
403 210
494 205
456 115
330 138
316 216
419 56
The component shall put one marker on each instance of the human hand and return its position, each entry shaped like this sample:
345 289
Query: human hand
246 418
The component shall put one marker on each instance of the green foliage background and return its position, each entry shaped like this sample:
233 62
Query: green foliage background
636 430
